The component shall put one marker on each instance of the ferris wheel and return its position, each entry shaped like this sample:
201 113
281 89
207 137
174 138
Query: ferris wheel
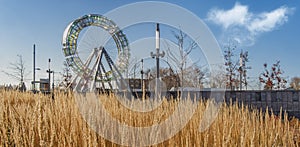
91 68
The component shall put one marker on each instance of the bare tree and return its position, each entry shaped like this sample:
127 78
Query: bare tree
66 82
180 56
231 67
273 78
218 77
243 69
17 72
194 76
295 83
168 76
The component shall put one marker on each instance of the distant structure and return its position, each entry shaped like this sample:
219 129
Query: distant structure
44 85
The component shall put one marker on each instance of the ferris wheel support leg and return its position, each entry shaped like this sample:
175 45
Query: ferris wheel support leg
109 83
95 72
113 67
70 85
101 78
110 63
89 74
84 78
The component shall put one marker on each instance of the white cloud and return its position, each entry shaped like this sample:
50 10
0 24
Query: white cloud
238 15
243 26
267 21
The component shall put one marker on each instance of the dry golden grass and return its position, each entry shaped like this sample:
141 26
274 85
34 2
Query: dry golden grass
36 120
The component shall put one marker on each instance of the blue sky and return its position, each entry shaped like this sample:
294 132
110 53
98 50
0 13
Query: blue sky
267 29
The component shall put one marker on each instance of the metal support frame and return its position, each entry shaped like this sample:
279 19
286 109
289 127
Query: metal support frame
91 75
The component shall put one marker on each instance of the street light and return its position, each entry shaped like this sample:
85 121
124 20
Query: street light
52 85
49 72
34 69
157 56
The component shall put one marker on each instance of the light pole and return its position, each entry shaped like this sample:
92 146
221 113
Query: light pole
142 73
34 69
142 79
52 85
49 74
33 82
157 55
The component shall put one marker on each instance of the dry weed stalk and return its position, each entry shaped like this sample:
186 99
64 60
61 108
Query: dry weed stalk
36 120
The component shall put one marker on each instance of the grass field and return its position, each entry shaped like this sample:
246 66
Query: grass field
36 120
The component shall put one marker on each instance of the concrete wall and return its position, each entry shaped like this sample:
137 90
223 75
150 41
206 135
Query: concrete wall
288 100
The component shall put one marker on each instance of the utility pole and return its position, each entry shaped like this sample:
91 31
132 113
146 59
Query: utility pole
142 79
157 55
49 74
52 85
33 82
142 72
34 69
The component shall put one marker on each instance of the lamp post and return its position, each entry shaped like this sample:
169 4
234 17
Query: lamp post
33 82
157 56
142 79
49 75
34 69
52 85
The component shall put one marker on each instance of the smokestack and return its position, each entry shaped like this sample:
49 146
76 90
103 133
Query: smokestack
157 36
